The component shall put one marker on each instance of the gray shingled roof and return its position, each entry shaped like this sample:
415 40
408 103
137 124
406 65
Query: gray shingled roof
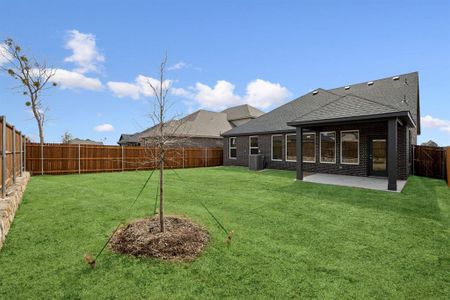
359 100
240 112
84 142
345 107
128 138
202 123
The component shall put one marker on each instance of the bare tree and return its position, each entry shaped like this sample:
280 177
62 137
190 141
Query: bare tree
34 78
168 132
66 137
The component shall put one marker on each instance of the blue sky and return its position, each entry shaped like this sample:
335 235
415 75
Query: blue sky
220 53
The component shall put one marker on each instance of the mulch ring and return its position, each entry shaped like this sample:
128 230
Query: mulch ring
182 240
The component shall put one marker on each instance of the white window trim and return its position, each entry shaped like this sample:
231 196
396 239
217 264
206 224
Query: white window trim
229 147
315 152
286 148
344 163
250 144
271 147
320 147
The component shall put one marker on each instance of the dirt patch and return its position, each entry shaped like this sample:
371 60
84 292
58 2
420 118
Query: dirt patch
183 240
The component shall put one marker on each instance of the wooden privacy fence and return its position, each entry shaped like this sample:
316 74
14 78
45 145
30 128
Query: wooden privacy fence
448 166
12 147
74 158
429 161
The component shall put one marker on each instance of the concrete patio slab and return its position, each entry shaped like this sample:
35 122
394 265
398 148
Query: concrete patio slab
373 183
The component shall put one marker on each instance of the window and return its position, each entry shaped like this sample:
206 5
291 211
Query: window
253 144
350 147
291 147
232 148
328 147
309 147
277 147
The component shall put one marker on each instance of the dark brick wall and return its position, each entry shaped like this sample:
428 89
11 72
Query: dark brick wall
366 130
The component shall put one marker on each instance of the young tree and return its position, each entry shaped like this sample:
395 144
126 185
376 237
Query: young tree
34 78
168 131
66 137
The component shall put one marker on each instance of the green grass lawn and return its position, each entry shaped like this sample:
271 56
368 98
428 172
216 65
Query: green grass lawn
292 239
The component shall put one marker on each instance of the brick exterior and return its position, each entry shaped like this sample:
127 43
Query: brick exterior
366 130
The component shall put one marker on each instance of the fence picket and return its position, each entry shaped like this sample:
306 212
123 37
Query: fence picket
448 165
4 163
428 161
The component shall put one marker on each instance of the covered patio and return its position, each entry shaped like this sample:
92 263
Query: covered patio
372 183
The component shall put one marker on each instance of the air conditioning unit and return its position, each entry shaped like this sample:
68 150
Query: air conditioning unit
256 162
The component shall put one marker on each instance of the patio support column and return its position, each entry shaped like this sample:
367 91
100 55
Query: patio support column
392 155
299 154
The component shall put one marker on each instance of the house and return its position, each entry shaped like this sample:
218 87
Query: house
78 141
363 129
200 129
430 143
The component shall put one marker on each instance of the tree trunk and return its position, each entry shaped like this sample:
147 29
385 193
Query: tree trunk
161 195
38 118
41 132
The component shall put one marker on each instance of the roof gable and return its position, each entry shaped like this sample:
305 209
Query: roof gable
345 107
244 111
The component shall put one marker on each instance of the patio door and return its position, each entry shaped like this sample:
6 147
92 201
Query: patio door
377 157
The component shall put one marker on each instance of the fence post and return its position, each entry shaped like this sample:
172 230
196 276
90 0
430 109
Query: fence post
21 155
25 155
448 165
3 156
183 157
206 157
42 159
121 148
79 158
14 153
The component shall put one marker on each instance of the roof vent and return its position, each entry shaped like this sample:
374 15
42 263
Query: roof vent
347 87
395 78
315 92
370 83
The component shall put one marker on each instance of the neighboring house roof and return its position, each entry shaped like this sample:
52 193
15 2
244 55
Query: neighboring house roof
240 112
430 143
392 95
84 142
202 123
129 138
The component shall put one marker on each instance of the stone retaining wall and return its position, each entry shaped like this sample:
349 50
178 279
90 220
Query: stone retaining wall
9 205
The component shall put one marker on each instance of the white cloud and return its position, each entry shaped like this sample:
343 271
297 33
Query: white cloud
4 54
179 65
431 122
140 87
263 94
259 93
182 92
124 89
73 80
85 53
219 97
104 128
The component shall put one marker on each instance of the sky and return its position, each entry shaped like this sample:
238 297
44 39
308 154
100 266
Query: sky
220 53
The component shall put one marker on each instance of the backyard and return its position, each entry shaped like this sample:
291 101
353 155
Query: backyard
291 239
